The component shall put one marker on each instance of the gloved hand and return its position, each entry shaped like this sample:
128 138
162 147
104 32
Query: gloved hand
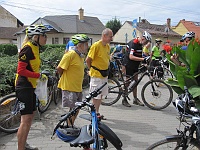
147 59
43 77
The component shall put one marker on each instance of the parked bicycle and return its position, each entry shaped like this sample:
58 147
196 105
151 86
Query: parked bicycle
155 93
86 78
10 109
189 136
161 71
96 134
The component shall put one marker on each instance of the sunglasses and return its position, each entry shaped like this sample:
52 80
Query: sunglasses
44 35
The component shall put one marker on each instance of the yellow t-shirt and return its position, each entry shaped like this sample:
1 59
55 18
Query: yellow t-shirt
73 72
145 49
100 56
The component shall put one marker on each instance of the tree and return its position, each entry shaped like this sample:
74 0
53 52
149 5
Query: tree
114 25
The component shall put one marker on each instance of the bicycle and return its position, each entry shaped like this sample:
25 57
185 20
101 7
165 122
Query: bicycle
155 93
86 78
10 116
161 71
57 93
189 117
96 134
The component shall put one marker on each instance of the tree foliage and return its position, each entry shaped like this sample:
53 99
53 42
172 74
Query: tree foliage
114 25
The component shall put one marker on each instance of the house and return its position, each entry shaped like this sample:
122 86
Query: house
62 27
9 25
184 26
164 32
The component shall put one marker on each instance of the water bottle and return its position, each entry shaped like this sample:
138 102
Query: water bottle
131 85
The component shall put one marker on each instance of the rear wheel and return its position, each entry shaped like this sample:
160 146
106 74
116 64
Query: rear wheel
173 143
10 116
114 93
156 94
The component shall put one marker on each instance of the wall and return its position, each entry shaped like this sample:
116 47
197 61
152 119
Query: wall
180 29
7 19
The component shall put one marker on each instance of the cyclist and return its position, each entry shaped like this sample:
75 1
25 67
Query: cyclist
25 82
98 61
71 69
146 49
131 61
186 38
70 45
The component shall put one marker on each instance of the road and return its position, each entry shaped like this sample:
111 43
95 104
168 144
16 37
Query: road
136 126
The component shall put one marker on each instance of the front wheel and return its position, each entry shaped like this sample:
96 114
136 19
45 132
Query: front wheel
114 93
10 116
156 94
173 143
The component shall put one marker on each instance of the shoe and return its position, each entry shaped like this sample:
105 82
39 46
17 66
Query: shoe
125 103
101 116
138 102
28 147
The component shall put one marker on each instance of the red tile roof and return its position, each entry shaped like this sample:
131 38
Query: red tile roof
192 26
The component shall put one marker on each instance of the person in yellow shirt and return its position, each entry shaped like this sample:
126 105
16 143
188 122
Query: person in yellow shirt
98 61
145 50
71 69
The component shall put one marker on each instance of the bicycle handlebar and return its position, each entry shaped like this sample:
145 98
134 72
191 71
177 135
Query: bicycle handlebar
79 105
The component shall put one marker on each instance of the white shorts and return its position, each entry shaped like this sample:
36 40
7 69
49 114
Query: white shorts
97 82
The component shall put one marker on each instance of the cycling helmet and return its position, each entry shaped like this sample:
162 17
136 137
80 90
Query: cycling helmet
68 134
189 35
158 40
36 30
147 36
118 48
79 38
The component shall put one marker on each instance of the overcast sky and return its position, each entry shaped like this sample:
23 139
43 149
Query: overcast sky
155 11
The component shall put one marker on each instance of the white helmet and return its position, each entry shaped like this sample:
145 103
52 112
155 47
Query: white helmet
147 36
188 35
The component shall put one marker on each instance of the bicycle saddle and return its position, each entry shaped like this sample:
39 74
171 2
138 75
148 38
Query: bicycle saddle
84 139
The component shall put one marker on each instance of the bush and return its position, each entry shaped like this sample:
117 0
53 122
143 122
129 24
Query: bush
8 49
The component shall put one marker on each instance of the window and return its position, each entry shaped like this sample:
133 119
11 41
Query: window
66 40
55 40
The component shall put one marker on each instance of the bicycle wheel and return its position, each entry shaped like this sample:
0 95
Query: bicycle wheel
10 116
42 108
174 143
167 74
57 93
114 92
156 94
109 135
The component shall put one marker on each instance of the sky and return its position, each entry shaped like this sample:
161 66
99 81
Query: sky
155 11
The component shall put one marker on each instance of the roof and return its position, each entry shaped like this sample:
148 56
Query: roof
154 29
8 32
72 24
192 26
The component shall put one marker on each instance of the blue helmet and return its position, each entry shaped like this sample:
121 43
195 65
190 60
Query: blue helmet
118 48
68 134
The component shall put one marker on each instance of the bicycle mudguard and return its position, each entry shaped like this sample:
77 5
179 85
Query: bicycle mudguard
108 134
173 136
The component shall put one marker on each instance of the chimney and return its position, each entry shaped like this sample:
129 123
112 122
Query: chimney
81 14
139 19
169 23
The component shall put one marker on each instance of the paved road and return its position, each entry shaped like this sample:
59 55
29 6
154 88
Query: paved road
137 127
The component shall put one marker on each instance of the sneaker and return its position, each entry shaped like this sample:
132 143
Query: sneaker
138 102
125 103
28 147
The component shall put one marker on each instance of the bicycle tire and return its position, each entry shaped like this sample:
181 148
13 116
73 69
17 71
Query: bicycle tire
167 74
114 92
156 94
41 108
10 116
109 135
173 143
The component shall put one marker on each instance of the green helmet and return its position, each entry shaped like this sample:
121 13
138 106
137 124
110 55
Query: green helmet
36 30
79 38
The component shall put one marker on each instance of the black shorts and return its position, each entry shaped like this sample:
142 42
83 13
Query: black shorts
130 70
27 99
